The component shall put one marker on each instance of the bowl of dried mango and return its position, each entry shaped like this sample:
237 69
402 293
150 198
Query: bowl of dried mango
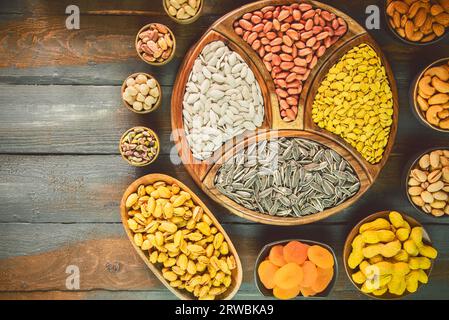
388 255
295 269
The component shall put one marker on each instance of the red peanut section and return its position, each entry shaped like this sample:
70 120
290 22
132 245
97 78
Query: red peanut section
290 40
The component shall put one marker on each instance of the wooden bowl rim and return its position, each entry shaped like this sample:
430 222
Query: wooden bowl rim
159 99
185 21
406 41
174 44
264 252
153 177
157 141
355 231
414 93
411 165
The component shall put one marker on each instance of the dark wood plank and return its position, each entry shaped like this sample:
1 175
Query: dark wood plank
107 261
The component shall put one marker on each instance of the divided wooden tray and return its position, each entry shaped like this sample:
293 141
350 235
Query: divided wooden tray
203 172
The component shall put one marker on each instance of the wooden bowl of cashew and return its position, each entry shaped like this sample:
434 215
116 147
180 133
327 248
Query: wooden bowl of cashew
429 95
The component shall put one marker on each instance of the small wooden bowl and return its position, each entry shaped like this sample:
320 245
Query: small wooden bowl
155 63
184 295
404 40
263 254
414 92
184 21
157 142
412 164
355 231
130 107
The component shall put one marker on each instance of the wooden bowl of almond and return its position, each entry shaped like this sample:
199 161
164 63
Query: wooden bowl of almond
427 186
430 95
155 44
418 22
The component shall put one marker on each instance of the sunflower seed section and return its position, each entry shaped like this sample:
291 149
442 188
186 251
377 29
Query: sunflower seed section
222 100
287 177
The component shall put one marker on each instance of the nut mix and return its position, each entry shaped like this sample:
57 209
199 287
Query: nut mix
389 255
290 40
155 44
433 96
355 102
139 146
183 9
297 268
141 93
180 239
419 20
428 183
222 100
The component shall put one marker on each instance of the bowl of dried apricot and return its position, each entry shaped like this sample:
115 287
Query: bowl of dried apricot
429 95
295 269
388 255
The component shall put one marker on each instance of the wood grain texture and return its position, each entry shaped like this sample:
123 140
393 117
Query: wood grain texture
107 261
62 177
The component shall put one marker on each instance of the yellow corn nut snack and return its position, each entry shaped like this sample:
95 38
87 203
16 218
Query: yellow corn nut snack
376 236
401 256
419 263
396 219
402 234
411 248
378 224
416 236
380 291
387 250
412 281
397 285
428 251
358 277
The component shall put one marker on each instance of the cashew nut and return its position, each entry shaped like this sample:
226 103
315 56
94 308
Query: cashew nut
439 98
444 124
425 87
432 115
415 7
410 32
439 85
441 72
422 94
422 103
443 18
443 114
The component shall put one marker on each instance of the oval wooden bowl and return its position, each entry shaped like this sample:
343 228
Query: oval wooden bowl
404 40
184 295
156 63
355 231
412 164
130 107
414 92
185 21
146 163
263 254
203 172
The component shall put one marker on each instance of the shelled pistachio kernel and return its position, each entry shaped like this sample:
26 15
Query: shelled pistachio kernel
183 9
181 239
139 146
141 92
355 102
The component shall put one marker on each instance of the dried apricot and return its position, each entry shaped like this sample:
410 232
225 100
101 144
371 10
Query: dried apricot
276 255
288 276
295 251
323 279
307 292
320 256
310 274
284 294
266 271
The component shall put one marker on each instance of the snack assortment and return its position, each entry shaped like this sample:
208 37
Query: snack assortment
180 239
433 96
141 93
355 101
419 21
290 39
390 256
155 43
296 268
428 183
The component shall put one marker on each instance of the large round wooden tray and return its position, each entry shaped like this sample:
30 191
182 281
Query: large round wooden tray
203 172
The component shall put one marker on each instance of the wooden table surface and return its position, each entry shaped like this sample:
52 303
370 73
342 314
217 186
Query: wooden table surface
61 176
